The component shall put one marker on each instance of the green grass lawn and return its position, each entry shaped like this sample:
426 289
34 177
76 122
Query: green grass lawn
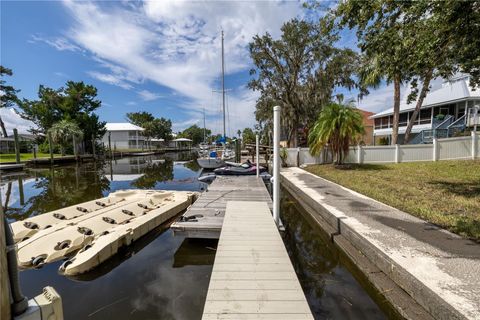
446 193
10 157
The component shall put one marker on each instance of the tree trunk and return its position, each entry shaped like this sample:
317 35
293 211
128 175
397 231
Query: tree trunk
396 108
4 131
418 106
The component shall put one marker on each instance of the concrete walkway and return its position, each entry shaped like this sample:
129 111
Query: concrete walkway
440 270
252 277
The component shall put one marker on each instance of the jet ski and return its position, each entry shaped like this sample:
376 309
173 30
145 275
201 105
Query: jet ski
245 169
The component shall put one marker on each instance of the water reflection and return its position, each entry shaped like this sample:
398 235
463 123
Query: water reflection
42 190
331 289
145 280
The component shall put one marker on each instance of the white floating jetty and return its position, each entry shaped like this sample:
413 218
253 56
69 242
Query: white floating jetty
252 276
89 233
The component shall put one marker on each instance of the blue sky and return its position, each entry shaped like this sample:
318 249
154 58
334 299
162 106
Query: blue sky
162 57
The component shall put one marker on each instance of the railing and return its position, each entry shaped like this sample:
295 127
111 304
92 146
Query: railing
440 130
467 147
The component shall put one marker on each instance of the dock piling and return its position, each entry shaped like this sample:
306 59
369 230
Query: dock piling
276 164
257 154
17 145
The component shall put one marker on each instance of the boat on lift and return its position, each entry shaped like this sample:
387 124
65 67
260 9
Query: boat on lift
89 233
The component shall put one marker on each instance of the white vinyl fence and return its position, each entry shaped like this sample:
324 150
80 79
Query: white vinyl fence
441 149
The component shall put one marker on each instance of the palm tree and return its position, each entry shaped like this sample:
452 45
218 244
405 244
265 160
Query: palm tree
63 131
338 125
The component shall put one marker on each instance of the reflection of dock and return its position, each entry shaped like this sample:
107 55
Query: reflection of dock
212 203
252 277
195 252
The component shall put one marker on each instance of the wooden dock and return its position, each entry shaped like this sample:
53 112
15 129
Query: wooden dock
252 276
212 204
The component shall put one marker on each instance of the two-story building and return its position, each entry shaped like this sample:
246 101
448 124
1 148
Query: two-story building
124 136
446 110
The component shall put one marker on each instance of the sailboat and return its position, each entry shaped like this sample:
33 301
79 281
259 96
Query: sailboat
216 158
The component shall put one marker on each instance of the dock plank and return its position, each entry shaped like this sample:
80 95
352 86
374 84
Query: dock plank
212 203
253 278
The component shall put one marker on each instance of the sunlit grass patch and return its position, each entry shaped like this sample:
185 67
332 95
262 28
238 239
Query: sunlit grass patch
446 193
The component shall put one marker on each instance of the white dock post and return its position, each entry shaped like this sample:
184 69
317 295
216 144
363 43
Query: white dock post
257 155
276 164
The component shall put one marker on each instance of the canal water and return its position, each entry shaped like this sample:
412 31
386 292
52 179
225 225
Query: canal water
162 276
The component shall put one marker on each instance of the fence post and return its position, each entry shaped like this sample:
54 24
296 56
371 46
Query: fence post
298 157
17 146
397 153
359 154
435 149
474 144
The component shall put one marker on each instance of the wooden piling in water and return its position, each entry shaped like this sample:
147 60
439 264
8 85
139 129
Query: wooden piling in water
17 146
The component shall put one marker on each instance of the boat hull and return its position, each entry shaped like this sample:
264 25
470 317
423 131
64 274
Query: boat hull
210 163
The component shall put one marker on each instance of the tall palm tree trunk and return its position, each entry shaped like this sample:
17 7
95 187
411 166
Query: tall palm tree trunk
396 108
418 106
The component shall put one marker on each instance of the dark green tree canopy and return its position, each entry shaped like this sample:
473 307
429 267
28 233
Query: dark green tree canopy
159 128
8 95
195 133
76 102
140 118
299 71
248 136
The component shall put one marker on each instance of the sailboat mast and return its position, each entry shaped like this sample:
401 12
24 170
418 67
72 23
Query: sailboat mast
204 128
223 87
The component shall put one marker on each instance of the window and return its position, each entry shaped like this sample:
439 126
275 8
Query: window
461 109
425 116
402 122
378 123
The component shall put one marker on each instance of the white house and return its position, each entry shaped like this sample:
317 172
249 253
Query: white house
446 109
124 136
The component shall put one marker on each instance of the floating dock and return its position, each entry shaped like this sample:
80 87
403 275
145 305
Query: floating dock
210 206
252 276
12 167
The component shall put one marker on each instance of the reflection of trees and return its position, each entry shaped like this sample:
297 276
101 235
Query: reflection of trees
312 256
155 172
192 165
61 187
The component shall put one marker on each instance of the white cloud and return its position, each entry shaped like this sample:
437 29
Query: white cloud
110 79
58 43
131 103
148 95
176 44
13 120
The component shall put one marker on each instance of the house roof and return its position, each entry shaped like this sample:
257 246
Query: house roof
122 126
182 140
453 90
